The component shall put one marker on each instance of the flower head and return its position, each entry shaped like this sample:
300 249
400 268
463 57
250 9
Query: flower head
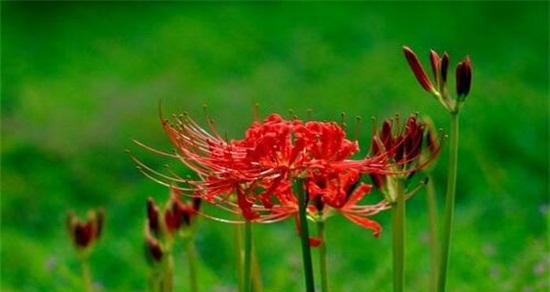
84 234
342 192
403 145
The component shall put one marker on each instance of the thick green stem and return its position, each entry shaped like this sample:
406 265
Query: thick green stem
192 263
304 234
86 275
247 256
432 221
398 238
449 204
322 256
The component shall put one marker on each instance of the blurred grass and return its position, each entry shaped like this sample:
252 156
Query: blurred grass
81 80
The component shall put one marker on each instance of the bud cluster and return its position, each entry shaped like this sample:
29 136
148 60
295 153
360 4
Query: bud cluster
163 224
438 87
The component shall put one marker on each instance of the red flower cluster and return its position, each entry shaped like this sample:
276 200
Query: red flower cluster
253 176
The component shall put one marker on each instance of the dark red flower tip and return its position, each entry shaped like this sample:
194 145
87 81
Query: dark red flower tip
153 250
153 215
173 218
197 203
463 77
84 233
417 69
434 60
444 67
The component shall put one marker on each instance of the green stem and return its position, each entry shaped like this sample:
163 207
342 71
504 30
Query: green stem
306 250
449 204
247 256
192 263
398 238
432 223
86 275
167 273
240 254
256 274
322 256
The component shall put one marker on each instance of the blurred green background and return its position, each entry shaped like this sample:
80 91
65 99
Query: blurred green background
81 80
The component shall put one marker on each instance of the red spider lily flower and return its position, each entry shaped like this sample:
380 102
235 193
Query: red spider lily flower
84 234
342 192
252 176
403 147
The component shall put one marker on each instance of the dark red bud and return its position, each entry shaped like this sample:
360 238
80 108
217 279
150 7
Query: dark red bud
83 234
417 69
434 60
463 77
152 215
173 218
197 203
153 250
444 67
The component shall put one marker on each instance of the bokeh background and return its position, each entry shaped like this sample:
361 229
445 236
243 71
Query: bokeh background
81 80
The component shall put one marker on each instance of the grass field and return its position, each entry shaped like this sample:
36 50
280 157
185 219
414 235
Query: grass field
81 80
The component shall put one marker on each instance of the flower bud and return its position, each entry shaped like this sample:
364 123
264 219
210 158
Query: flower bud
84 233
444 67
463 78
434 60
152 215
173 218
417 69
153 250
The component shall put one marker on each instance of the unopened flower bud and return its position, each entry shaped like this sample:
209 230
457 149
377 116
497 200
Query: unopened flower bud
153 250
417 69
444 67
173 218
197 203
434 60
152 215
463 78
84 233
